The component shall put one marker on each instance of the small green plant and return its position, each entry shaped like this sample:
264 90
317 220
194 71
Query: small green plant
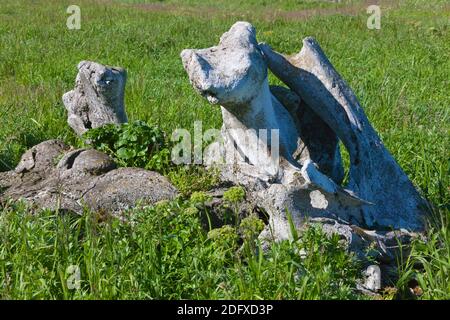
189 179
200 197
250 228
191 211
225 237
234 194
233 197
135 144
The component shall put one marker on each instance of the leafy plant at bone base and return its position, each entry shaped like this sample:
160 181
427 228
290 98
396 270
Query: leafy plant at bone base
233 197
135 144
139 144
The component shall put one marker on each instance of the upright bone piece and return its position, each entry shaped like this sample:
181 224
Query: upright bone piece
374 174
98 97
234 75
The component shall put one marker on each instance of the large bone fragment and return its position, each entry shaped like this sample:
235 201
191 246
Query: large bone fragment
233 74
306 178
98 97
374 174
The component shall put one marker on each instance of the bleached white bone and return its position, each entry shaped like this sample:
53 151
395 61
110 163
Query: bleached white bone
374 174
233 74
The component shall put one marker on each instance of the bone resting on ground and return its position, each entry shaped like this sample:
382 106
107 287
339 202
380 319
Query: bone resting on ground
310 116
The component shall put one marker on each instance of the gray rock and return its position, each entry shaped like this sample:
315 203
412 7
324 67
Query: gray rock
41 157
85 162
98 97
123 188
52 176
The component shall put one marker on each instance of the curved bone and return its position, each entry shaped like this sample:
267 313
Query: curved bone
317 141
374 174
234 75
98 97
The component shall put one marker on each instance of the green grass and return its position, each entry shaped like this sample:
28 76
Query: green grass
162 253
400 74
240 5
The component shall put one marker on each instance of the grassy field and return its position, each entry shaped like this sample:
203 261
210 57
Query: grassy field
400 73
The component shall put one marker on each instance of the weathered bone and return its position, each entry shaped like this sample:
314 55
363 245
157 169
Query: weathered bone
374 174
98 97
234 75
306 182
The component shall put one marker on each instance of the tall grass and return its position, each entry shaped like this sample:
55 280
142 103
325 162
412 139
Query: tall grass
161 252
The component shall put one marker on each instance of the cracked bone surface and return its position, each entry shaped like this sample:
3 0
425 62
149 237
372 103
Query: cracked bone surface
98 97
310 116
303 179
374 174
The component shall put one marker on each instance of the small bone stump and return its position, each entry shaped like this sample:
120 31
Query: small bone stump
307 121
98 97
